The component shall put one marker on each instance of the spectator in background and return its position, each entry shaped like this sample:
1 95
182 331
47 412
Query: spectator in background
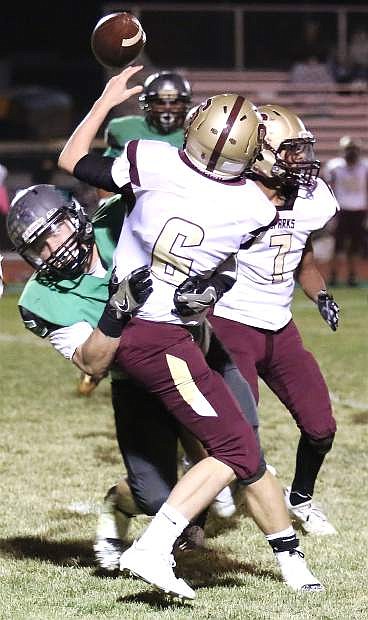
348 177
358 55
311 56
312 69
354 69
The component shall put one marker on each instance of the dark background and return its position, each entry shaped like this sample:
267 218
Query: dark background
48 43
46 60
49 76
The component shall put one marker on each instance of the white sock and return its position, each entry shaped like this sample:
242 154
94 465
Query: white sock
225 495
283 534
163 530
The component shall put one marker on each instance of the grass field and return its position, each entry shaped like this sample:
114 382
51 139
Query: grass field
59 456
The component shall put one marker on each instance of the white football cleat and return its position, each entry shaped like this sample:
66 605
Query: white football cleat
309 516
156 569
108 552
112 527
296 573
224 505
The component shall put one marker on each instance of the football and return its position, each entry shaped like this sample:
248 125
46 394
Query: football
117 39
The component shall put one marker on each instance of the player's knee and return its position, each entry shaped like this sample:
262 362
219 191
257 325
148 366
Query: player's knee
238 447
321 446
245 460
151 500
256 476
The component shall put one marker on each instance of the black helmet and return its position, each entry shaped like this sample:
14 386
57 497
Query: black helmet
165 100
35 214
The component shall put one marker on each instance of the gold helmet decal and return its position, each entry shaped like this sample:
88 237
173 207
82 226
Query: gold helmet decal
224 135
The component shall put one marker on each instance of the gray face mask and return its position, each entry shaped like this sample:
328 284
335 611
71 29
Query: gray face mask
167 120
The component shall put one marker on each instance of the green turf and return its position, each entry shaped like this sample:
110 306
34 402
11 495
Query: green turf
58 452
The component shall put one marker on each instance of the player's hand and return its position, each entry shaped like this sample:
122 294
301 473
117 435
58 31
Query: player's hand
127 296
328 309
198 293
116 90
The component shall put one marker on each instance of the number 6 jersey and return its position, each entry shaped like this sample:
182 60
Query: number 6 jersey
183 222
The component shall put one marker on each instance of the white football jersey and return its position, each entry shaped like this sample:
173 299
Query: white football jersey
183 222
350 183
262 295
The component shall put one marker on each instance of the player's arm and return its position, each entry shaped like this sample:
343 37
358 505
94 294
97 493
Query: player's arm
314 286
73 342
308 275
113 149
79 143
97 353
93 350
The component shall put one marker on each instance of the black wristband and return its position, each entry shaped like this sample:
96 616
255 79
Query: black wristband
110 325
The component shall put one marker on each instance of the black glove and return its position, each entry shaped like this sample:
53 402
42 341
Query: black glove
198 293
328 309
125 298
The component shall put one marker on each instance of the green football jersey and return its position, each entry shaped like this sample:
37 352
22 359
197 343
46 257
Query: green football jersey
65 302
121 130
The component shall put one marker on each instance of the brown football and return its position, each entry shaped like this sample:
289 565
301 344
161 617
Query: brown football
117 39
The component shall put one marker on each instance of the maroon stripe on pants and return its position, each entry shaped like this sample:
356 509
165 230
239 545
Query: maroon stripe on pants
227 436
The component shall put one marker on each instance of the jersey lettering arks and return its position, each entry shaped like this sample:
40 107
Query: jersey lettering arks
263 292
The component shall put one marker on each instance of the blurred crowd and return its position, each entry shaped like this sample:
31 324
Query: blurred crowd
314 60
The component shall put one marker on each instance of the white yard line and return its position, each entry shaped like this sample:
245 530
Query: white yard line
84 508
348 402
23 339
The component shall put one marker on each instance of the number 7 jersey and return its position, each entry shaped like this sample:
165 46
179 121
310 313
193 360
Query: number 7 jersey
263 292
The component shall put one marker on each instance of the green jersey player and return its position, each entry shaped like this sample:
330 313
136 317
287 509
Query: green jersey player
63 302
164 101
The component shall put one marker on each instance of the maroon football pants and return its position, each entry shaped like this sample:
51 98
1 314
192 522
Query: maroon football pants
288 369
166 361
